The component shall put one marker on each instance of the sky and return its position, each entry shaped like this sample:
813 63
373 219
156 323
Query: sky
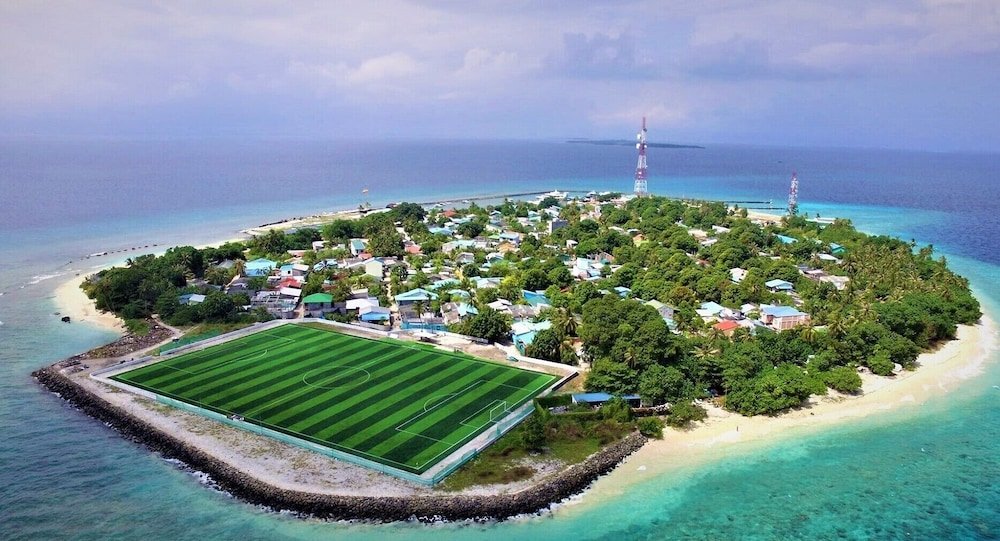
884 74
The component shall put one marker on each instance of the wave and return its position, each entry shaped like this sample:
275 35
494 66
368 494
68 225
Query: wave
42 277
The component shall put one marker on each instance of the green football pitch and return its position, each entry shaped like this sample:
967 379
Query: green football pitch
403 405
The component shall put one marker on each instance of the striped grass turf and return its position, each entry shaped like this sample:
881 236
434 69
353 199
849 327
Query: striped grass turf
388 401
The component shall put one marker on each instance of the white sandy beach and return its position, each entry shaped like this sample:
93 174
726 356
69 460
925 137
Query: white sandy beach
73 302
724 434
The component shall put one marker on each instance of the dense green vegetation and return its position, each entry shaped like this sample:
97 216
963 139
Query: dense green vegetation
568 438
898 302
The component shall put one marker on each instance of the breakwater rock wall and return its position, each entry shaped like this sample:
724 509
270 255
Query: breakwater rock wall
538 497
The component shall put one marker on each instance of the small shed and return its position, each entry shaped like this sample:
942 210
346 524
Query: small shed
598 399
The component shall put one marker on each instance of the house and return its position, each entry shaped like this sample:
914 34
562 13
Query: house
836 249
413 249
357 246
783 317
500 305
275 304
425 322
297 269
665 311
524 332
291 293
462 244
360 304
453 312
465 258
786 240
318 304
512 237
535 298
781 286
459 293
709 242
555 225
727 327
318 245
710 309
719 229
415 295
522 312
439 231
191 298
485 282
259 267
736 275
828 257
623 292
598 399
444 282
839 282
602 258
375 268
374 314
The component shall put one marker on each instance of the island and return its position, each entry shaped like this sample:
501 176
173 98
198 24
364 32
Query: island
428 362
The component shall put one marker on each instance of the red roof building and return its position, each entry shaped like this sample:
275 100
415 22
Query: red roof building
728 327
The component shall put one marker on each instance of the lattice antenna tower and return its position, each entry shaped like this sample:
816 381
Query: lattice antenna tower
793 195
640 168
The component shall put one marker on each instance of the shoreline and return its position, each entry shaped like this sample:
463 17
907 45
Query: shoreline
720 436
725 434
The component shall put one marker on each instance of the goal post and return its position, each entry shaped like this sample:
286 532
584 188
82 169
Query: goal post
499 411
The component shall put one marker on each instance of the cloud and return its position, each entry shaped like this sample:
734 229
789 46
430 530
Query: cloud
740 59
600 56
382 68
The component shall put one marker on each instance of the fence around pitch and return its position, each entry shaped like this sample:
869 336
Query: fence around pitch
298 442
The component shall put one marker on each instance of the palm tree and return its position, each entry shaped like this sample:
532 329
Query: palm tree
565 322
630 357
240 266
808 333
837 325
567 353
418 307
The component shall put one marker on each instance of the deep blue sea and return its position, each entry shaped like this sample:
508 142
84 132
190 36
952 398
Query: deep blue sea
927 472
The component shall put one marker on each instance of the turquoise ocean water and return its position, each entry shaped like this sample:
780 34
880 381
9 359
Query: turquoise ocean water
927 472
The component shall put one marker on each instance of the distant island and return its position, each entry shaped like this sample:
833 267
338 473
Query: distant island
628 143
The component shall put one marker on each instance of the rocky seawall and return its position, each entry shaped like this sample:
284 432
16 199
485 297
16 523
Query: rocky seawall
536 498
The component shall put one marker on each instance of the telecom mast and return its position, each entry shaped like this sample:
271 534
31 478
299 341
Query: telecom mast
793 195
640 169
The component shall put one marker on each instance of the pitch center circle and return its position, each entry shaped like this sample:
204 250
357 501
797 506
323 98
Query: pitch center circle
312 379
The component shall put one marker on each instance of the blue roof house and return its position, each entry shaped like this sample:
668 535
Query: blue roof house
597 399
836 249
622 291
415 295
524 332
779 285
786 240
357 246
535 298
259 267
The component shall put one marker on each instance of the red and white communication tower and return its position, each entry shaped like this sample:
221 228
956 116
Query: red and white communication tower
793 195
640 169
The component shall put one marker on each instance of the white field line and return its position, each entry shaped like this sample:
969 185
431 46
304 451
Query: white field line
292 395
251 356
499 403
